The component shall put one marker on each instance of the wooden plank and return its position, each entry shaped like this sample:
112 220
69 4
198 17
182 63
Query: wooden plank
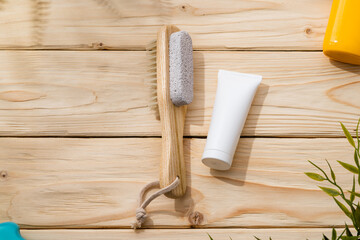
123 24
61 93
177 234
74 183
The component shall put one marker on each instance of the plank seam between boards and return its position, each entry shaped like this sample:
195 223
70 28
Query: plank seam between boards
186 137
187 228
143 50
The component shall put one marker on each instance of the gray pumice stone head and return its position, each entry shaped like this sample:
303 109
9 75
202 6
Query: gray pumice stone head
181 68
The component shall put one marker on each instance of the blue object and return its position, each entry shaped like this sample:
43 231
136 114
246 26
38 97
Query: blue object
10 231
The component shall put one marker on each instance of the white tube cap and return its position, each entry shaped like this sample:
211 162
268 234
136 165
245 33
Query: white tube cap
216 159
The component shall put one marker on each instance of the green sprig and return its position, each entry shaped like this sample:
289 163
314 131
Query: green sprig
350 209
347 205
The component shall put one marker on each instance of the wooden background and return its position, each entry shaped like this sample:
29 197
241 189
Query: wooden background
78 141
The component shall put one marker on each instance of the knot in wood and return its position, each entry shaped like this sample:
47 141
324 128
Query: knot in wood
186 8
196 218
3 175
98 45
308 30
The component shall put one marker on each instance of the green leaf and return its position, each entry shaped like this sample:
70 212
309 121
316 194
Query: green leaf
348 135
357 164
318 168
349 238
331 171
330 191
356 159
357 133
315 176
355 193
349 167
257 238
352 194
347 230
315 165
210 237
334 235
343 208
325 237
357 214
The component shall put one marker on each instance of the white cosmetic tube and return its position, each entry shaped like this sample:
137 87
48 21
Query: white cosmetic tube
234 95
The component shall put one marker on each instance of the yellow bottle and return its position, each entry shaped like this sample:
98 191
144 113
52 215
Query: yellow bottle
342 37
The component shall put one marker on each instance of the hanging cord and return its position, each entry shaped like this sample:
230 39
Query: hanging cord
140 211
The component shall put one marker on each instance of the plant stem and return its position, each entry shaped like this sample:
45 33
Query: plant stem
348 202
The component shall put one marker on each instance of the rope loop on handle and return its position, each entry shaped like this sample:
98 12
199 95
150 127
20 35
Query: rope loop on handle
140 211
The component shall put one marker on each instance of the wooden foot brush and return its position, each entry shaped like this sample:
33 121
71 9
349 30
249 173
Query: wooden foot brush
172 80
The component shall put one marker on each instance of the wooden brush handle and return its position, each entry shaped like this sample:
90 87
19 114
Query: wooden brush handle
172 120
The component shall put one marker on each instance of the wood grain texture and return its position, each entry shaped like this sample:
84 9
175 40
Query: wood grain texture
123 24
66 93
177 234
75 183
